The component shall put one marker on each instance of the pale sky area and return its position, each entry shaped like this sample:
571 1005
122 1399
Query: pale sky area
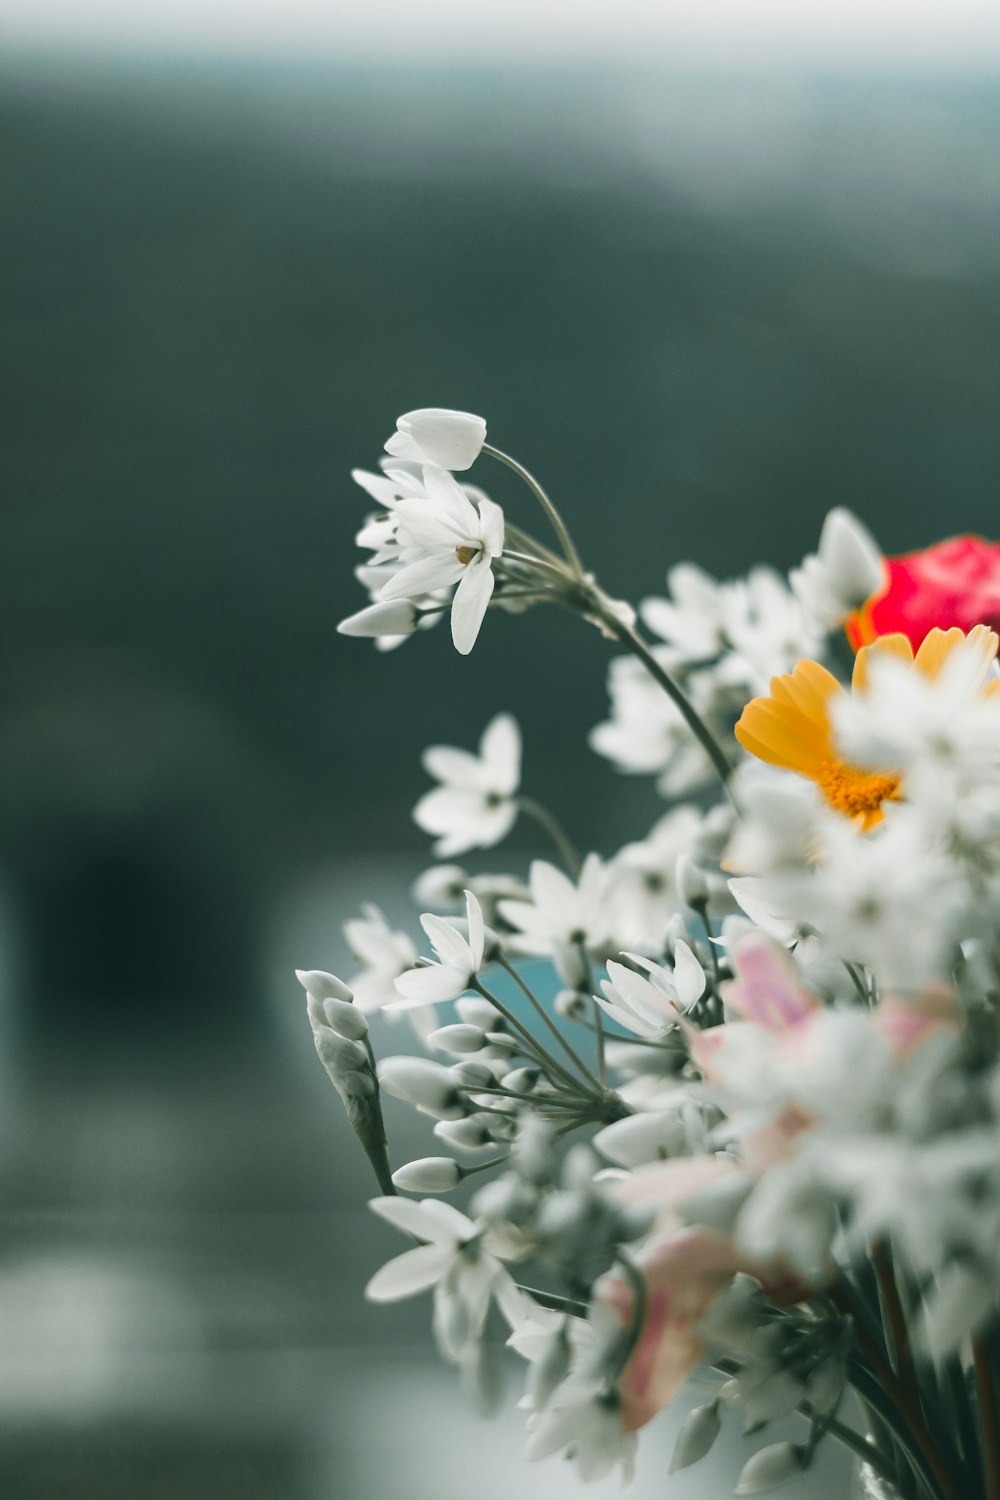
920 33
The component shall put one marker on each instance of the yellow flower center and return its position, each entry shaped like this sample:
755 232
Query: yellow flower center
855 792
465 554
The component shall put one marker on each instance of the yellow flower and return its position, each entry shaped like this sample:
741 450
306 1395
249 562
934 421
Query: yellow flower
792 728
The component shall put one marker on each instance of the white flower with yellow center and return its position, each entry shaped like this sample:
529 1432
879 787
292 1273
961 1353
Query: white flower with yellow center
444 539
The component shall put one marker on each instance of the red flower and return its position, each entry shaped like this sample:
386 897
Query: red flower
956 582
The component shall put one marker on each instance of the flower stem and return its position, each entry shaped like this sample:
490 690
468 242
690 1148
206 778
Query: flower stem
566 1045
555 831
630 638
555 519
537 1051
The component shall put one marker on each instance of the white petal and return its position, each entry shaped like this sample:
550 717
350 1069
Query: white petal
430 986
500 750
468 608
458 768
449 944
477 931
423 577
413 1218
555 894
689 976
491 527
412 1272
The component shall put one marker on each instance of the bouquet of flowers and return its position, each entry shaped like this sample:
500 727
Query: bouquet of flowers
725 1103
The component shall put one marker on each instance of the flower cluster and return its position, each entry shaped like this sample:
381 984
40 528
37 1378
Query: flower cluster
748 1122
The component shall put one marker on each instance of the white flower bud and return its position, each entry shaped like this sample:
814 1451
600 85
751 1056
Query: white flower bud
431 1174
387 617
424 1083
692 884
643 1138
435 435
323 986
472 1076
521 1080
472 1134
442 886
697 1433
769 1467
345 1019
338 1054
573 1005
458 1038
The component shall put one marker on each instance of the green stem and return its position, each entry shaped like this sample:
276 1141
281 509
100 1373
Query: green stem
631 639
555 519
540 1010
537 1051
555 831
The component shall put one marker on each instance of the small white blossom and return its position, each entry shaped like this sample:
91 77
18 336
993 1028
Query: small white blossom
476 804
561 917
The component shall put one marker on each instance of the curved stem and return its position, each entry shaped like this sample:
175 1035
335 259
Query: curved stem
555 519
555 831
630 638
537 1051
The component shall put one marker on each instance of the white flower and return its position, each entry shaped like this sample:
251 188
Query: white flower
435 435
846 571
460 1258
694 620
560 915
650 1007
459 960
444 538
384 954
586 1425
475 806
935 728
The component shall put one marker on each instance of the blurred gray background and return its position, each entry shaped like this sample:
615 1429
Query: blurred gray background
703 297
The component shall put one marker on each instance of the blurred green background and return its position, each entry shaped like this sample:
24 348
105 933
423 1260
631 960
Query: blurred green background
703 306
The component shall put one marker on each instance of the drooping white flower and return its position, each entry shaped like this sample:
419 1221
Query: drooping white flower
650 1007
845 571
435 435
475 806
459 960
445 539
